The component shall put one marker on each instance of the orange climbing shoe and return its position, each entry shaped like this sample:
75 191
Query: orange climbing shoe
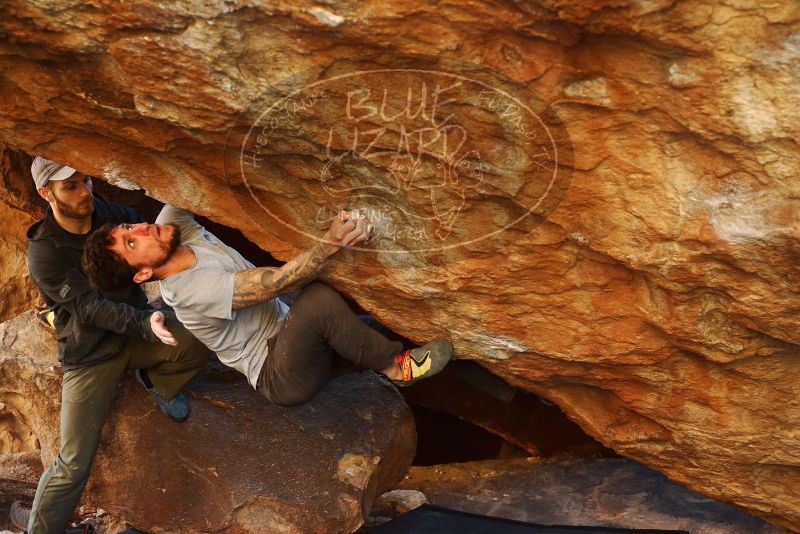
423 362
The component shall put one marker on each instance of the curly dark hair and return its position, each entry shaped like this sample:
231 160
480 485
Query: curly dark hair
106 269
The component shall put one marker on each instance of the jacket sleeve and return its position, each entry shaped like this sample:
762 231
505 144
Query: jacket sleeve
93 309
73 291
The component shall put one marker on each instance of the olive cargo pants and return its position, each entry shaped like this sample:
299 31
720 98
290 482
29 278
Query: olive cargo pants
86 398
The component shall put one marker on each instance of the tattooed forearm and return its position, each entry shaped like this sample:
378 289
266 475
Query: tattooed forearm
247 288
261 284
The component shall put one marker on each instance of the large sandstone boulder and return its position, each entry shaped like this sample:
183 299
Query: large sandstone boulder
239 464
618 232
607 492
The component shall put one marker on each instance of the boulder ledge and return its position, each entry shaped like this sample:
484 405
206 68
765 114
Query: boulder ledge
239 464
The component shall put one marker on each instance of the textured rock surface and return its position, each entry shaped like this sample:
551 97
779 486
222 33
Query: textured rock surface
657 304
239 464
17 213
402 501
589 492
19 292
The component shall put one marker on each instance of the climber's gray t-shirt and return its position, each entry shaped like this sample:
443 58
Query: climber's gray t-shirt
202 297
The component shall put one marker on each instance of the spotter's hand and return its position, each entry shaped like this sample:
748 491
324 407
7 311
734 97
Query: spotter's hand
158 322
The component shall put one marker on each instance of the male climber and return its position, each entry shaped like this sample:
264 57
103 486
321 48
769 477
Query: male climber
98 339
232 306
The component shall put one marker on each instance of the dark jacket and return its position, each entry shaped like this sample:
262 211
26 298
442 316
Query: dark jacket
90 328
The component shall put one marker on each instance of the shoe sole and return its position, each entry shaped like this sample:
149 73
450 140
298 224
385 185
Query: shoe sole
444 349
18 526
16 523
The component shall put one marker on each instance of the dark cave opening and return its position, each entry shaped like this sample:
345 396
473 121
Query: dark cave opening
466 413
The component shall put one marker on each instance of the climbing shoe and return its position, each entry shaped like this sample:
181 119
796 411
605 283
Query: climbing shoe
176 408
46 315
423 362
20 515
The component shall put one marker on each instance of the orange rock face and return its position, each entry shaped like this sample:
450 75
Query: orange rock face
18 210
596 200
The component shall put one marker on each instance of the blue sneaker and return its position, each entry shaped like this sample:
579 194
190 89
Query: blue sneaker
176 408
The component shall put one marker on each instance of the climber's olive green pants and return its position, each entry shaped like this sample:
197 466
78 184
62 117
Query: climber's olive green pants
86 396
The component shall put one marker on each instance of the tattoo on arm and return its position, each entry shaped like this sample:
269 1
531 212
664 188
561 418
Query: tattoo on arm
247 288
254 286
